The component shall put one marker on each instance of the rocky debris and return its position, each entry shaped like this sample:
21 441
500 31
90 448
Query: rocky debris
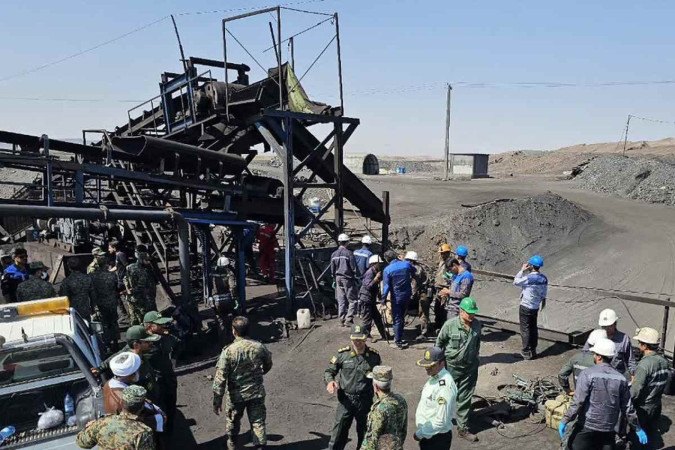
498 232
636 178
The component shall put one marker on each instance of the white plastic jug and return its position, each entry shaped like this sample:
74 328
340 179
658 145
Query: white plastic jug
304 319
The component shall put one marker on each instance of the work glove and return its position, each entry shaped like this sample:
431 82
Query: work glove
217 404
642 436
561 429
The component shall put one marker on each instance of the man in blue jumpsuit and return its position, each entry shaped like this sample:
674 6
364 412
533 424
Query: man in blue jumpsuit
397 281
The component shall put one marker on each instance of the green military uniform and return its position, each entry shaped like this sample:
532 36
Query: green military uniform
388 415
79 289
98 262
420 282
651 377
577 363
239 373
138 282
105 300
34 288
461 346
355 393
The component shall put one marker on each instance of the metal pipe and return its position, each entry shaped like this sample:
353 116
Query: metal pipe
49 195
227 91
339 57
281 78
385 222
664 326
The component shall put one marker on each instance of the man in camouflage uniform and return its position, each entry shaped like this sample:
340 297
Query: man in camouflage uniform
389 413
98 261
5 262
239 374
137 282
106 300
346 376
123 431
36 287
78 288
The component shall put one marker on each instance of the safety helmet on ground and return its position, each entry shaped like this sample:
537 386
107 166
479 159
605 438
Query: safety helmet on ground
469 305
607 317
536 261
604 347
445 248
343 238
647 335
223 261
411 256
366 240
374 259
462 251
595 336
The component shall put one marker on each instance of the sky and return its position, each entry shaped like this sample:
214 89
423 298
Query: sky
397 57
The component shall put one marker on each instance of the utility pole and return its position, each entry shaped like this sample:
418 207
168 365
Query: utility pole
625 137
447 132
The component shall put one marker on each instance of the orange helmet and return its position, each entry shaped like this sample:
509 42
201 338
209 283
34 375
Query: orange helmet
445 248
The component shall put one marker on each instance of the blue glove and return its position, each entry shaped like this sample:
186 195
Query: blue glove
561 429
642 436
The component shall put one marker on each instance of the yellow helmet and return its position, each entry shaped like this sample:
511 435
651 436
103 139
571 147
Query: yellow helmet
445 248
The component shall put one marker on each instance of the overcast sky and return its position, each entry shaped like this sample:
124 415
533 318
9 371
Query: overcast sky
397 57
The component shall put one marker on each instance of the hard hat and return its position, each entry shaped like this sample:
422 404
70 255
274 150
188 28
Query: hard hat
604 347
607 317
462 251
374 259
595 335
469 305
536 261
412 256
343 238
366 240
223 261
445 248
647 335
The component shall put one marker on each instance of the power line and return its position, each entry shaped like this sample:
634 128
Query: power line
647 119
71 100
250 8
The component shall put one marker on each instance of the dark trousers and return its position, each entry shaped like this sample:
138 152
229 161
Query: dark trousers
529 332
593 440
372 315
648 417
398 310
437 442
348 411
168 388
440 313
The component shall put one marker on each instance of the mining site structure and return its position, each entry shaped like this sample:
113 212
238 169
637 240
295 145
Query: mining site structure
178 168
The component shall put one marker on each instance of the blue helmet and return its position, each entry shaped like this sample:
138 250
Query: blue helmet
536 261
462 251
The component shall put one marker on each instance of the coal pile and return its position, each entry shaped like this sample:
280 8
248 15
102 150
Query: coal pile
500 233
642 179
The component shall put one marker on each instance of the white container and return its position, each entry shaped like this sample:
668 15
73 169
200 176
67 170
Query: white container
304 319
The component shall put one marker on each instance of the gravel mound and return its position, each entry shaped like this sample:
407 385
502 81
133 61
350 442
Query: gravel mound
500 232
642 179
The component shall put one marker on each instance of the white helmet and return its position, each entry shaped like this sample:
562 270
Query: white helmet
647 335
223 261
343 238
412 256
374 259
595 336
366 240
607 317
604 347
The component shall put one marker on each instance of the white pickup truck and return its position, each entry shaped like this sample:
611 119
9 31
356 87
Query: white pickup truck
48 352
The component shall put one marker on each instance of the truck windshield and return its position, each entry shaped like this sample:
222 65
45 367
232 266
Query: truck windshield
21 365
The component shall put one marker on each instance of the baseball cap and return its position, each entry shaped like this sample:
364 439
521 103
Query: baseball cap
357 332
138 333
156 318
431 356
381 373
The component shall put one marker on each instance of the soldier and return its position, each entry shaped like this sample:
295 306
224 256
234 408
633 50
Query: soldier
346 376
460 339
240 371
105 300
579 361
161 358
15 274
151 287
36 287
224 296
389 442
5 262
78 287
120 269
98 261
420 282
440 282
651 377
389 413
123 431
137 283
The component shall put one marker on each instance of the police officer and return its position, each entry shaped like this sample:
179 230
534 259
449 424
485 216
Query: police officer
460 339
106 302
15 274
239 374
651 377
419 285
346 376
600 396
36 287
78 288
441 282
368 296
534 285
389 413
344 271
579 361
137 282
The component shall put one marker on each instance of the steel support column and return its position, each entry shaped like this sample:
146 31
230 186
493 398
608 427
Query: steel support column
289 218
241 269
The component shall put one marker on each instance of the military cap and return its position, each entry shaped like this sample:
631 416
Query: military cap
134 395
138 333
381 373
357 332
431 356
156 318
37 265
98 251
